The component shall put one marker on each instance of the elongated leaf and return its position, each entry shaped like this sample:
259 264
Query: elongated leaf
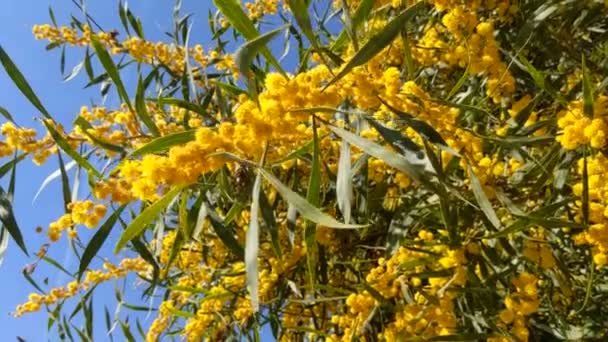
21 83
225 234
246 53
7 115
148 215
9 165
378 42
164 143
75 71
111 70
585 199
361 13
60 140
252 244
389 157
313 196
85 125
299 9
3 243
344 182
97 241
241 22
56 174
426 131
140 107
587 92
482 199
8 220
303 206
65 182
199 109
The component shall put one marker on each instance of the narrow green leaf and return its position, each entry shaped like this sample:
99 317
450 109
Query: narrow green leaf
164 143
482 199
65 182
8 220
3 243
111 70
587 91
97 241
145 217
389 157
142 111
9 165
245 54
21 82
313 196
305 208
378 42
359 17
60 140
585 198
299 9
252 244
225 234
85 125
199 109
235 15
7 115
344 182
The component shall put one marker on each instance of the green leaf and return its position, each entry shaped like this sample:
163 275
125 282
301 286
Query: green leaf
426 131
199 109
378 42
235 15
9 165
299 9
7 115
245 54
225 234
165 142
140 107
344 182
304 207
65 182
111 70
8 220
587 91
361 14
252 244
85 125
313 196
60 140
585 198
21 82
482 199
389 157
97 241
145 217
539 79
3 243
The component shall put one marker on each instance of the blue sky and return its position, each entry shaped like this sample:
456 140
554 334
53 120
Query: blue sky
63 100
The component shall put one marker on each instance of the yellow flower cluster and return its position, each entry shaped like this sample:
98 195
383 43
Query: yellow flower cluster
597 234
520 304
260 8
579 129
35 301
84 212
412 318
24 139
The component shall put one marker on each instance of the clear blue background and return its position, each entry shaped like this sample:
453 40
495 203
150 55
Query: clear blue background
63 100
